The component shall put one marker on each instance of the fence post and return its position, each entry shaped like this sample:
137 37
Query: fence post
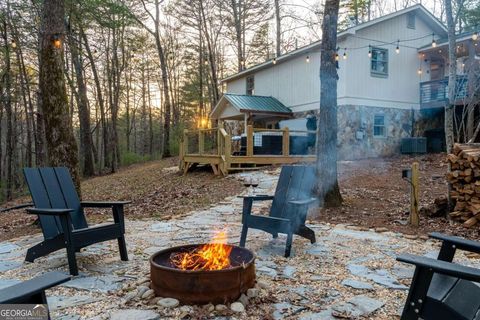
415 197
201 141
286 142
249 140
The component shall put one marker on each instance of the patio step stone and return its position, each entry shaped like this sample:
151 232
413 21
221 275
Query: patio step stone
137 314
61 302
103 283
357 284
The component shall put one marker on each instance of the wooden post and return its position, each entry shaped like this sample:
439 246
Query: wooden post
415 196
201 141
185 141
228 152
286 142
249 141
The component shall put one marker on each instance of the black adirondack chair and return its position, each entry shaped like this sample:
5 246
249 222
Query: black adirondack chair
440 289
62 218
288 212
32 291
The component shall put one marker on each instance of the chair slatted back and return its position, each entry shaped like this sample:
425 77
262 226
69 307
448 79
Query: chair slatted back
294 183
53 188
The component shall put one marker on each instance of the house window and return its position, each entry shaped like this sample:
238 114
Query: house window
411 20
379 62
250 85
379 125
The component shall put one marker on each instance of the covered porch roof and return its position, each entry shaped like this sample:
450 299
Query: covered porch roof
237 106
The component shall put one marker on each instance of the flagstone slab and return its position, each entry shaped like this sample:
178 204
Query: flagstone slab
104 283
137 314
62 302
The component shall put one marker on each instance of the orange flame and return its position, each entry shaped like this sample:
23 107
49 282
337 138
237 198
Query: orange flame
211 256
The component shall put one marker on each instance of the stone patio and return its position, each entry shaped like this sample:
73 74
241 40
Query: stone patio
349 273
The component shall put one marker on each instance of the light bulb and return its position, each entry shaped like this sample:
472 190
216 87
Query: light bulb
475 36
397 50
274 61
307 59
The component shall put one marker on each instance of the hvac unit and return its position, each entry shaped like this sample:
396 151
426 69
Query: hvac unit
414 145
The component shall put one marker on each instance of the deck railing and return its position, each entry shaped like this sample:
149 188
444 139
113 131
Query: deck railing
435 93
214 146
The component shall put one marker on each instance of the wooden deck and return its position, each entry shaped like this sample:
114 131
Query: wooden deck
214 147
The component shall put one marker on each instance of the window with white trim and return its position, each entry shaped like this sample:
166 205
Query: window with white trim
379 125
411 20
379 62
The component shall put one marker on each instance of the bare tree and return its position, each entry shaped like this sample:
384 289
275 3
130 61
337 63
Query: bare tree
328 190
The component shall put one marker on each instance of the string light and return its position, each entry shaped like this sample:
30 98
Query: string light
475 36
337 57
397 49
274 61
369 51
345 54
307 59
419 71
434 43
14 44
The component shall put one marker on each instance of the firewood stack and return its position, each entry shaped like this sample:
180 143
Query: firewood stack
465 181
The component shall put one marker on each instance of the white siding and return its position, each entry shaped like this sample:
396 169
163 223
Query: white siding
296 83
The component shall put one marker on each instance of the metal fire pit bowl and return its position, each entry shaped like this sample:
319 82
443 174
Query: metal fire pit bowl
202 287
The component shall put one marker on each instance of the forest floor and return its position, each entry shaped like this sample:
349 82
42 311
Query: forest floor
374 193
155 188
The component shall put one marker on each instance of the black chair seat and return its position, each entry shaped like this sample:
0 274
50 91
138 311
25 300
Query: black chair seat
452 298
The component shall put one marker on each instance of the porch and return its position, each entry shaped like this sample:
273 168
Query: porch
261 147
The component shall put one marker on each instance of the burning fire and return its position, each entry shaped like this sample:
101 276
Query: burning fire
211 256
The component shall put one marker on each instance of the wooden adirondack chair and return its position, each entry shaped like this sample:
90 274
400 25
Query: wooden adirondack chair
62 218
288 212
440 289
32 291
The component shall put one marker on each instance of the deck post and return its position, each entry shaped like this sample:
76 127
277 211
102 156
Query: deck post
286 142
228 152
249 140
185 141
201 141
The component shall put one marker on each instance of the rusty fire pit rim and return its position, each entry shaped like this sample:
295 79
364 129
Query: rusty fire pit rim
156 265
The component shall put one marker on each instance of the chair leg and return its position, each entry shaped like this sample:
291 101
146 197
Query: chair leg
306 233
288 247
123 248
67 233
45 247
418 291
243 237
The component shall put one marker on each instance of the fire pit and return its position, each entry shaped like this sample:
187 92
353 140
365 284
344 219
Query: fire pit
202 273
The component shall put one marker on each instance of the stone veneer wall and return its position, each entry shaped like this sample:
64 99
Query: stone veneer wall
355 131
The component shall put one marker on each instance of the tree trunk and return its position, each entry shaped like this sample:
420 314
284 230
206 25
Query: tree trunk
86 142
452 77
7 79
237 8
61 145
278 30
327 186
471 82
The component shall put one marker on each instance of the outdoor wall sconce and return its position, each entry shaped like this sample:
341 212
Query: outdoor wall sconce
56 41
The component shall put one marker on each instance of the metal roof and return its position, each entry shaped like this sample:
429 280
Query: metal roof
256 104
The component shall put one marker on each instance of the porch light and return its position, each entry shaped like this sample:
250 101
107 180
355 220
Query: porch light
307 59
434 43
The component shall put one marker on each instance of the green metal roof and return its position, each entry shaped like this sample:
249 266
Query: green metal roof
256 103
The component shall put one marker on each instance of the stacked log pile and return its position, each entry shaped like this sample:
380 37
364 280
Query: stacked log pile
464 178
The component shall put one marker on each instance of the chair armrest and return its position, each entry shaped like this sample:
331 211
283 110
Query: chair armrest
21 206
103 204
49 212
442 267
20 292
258 197
460 243
302 202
